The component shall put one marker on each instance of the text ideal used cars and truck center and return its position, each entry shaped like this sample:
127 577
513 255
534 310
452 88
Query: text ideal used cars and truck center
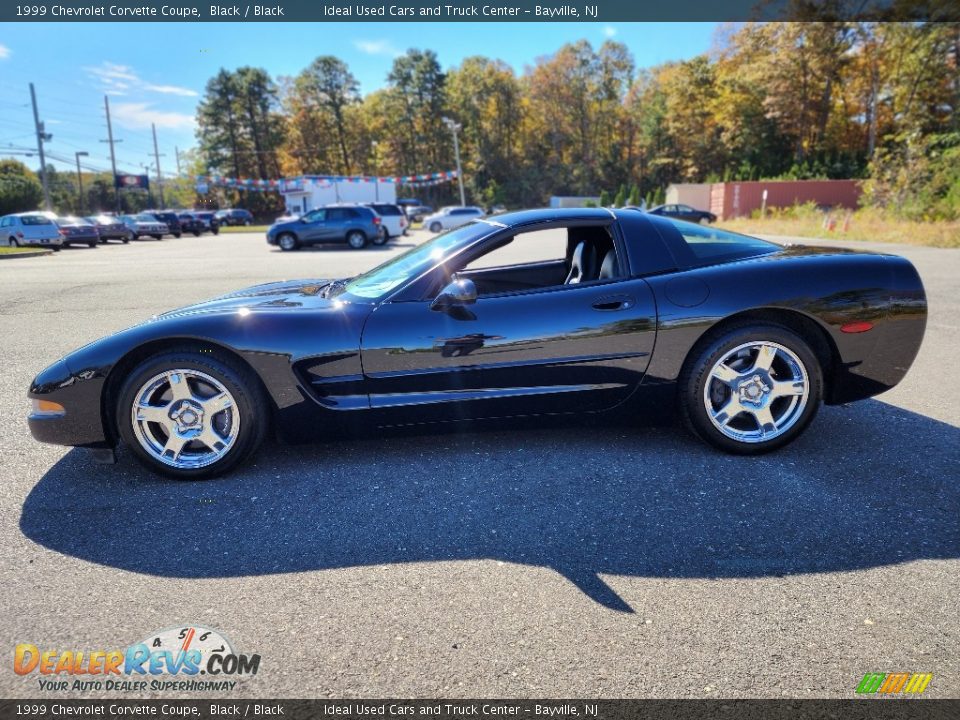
612 312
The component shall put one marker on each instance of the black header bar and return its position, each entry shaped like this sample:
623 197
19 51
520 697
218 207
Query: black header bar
483 11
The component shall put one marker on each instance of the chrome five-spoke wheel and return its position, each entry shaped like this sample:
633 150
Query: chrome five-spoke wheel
751 388
185 418
756 392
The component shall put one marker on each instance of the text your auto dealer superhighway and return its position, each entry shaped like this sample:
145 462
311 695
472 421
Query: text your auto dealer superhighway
142 11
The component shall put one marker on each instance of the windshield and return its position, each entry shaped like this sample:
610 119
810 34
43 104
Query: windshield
144 218
34 220
376 283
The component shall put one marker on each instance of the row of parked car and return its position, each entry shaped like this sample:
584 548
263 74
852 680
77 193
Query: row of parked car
46 229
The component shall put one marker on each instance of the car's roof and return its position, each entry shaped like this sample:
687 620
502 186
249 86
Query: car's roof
525 217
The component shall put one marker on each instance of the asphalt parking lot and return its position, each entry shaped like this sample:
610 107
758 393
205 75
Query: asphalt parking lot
567 562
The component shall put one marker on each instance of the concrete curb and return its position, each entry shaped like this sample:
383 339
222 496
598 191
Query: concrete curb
28 254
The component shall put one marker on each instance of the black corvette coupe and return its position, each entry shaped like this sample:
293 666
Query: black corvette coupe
531 313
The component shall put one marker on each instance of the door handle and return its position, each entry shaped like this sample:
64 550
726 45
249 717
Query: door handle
614 302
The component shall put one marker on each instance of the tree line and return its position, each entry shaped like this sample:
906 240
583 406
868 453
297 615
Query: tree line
876 101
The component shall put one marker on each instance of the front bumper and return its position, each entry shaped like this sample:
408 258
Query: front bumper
81 422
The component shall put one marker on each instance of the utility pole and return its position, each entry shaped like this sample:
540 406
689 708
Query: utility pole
79 154
177 151
156 155
113 157
455 127
41 137
376 170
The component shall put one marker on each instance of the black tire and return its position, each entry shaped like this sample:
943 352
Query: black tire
382 238
435 227
239 380
14 243
356 239
57 248
696 374
287 242
215 231
93 244
196 233
157 237
178 235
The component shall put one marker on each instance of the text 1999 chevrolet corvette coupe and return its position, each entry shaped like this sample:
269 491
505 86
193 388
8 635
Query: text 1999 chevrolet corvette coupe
531 313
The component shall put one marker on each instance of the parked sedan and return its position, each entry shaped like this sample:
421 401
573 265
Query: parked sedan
78 231
235 216
416 213
110 228
451 217
356 226
144 225
29 228
628 315
684 212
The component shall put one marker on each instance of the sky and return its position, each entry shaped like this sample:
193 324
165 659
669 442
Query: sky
156 72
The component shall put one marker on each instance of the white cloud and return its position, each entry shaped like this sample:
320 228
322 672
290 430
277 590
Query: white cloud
141 115
377 47
118 79
172 90
5 52
609 31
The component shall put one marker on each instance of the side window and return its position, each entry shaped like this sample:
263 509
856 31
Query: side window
314 216
337 214
5 222
708 244
542 259
526 248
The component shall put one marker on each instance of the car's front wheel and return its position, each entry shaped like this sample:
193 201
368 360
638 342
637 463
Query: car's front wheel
288 242
191 415
751 390
356 239
13 243
435 227
382 237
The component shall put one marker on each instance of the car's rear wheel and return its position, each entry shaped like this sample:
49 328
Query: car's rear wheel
157 237
178 235
93 243
435 227
13 243
751 390
356 239
382 237
191 415
287 242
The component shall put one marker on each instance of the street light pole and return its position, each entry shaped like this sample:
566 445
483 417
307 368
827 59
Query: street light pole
79 154
455 128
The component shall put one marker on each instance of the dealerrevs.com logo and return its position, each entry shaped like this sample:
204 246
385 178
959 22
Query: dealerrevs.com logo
185 658
894 683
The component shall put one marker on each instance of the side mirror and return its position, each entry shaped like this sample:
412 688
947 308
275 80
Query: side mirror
459 292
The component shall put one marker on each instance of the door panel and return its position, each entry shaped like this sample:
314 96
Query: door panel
557 350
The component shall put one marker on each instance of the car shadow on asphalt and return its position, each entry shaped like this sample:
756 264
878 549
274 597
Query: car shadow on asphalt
868 485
